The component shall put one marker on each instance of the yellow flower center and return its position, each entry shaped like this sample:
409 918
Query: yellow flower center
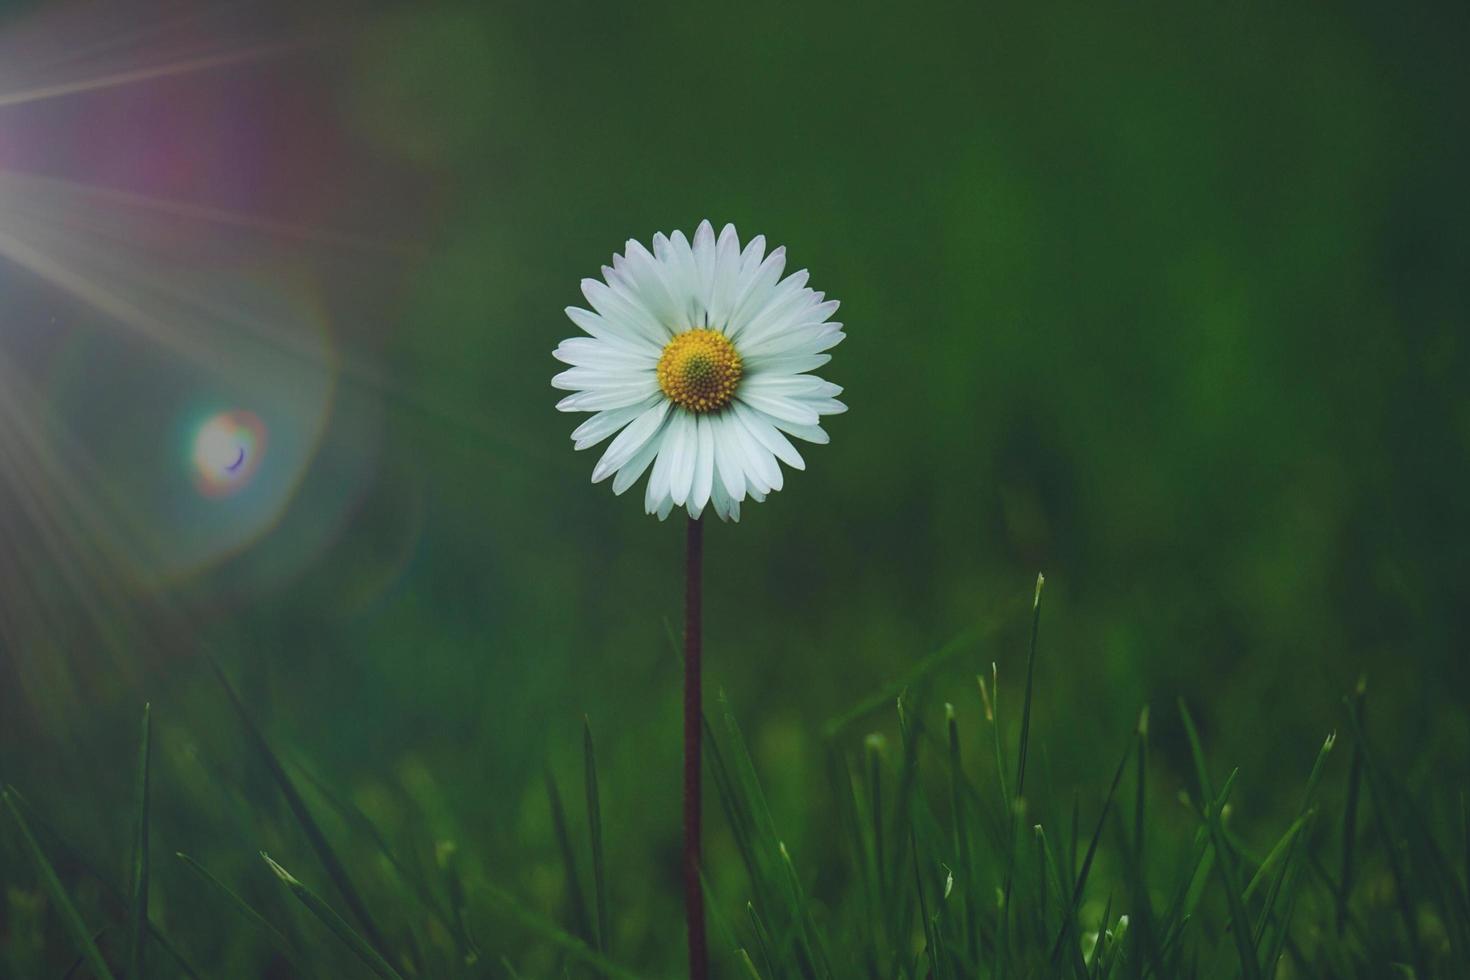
699 370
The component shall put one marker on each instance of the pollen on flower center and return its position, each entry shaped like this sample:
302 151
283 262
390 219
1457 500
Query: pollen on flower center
699 370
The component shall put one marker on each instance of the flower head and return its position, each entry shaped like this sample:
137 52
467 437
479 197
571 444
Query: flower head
695 361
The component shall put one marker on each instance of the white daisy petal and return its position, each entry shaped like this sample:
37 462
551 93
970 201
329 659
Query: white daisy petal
784 364
751 254
604 424
645 279
605 398
633 318
614 333
761 467
729 471
594 379
630 441
790 306
791 386
704 260
756 291
726 277
591 352
804 340
781 407
704 465
633 468
769 436
720 501
682 272
683 435
828 406
807 433
658 480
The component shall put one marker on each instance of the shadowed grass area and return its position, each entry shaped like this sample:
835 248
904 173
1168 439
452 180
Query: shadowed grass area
954 868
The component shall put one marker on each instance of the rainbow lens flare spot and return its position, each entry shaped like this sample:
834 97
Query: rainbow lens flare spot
227 452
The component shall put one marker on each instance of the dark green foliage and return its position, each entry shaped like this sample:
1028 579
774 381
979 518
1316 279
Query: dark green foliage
71 920
951 874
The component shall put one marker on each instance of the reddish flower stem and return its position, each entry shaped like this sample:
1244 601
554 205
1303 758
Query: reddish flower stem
693 719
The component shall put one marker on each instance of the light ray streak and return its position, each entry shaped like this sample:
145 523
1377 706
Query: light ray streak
198 212
136 75
76 53
78 542
50 269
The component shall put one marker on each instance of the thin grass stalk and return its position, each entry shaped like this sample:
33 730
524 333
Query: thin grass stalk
274 935
1378 795
333 865
1143 911
1016 802
1071 910
138 904
1240 922
873 746
580 920
1350 812
594 830
351 938
962 834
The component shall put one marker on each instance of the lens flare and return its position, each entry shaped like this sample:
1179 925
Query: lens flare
228 449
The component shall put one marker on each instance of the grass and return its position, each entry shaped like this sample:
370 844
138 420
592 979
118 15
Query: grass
955 868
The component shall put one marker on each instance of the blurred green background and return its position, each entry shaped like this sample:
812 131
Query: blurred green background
1168 302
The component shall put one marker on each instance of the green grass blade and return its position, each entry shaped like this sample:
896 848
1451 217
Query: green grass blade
962 833
574 947
1273 857
762 940
419 890
968 639
333 865
594 829
768 862
1102 947
1350 813
1304 819
1030 681
274 935
581 923
1286 895
1047 873
746 965
1404 893
1197 753
1145 932
138 906
990 701
1070 913
1020 775
873 746
81 961
71 920
931 933
1240 924
351 938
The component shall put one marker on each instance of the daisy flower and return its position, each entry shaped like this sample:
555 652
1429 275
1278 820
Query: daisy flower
696 361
